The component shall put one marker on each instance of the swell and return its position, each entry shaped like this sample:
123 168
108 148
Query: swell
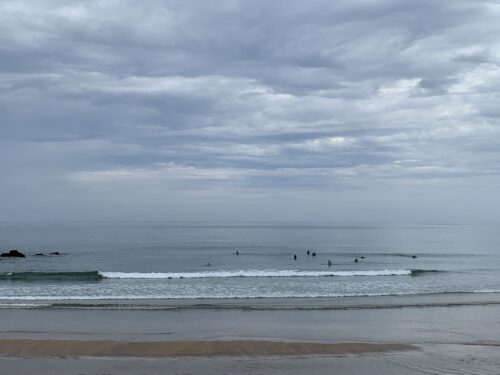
51 276
258 303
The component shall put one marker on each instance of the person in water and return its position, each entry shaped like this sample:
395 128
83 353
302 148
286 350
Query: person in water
329 263
355 260
308 252
295 257
237 252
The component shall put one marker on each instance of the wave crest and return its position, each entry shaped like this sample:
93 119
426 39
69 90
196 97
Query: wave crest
249 273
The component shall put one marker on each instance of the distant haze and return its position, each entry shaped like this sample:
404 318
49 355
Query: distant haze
250 110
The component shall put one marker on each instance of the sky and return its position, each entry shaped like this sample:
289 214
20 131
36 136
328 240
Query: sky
288 110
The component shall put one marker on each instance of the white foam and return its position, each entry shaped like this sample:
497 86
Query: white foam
487 291
249 273
213 296
21 305
195 296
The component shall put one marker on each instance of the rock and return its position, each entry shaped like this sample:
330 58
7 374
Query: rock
13 253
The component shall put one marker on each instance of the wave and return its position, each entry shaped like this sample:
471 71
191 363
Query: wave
250 273
51 276
98 275
19 301
421 272
24 305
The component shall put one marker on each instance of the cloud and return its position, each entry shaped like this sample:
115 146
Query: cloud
249 100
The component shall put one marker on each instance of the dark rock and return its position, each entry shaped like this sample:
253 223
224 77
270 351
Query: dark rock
13 253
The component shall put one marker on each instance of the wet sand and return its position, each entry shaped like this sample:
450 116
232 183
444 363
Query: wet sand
169 349
430 359
439 340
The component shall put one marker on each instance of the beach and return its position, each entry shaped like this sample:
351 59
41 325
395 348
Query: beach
409 340
176 349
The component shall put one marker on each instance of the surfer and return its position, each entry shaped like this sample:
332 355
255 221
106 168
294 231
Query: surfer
355 260
308 252
329 263
295 257
237 252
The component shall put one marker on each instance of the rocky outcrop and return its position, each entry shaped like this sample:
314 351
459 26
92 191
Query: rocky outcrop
13 254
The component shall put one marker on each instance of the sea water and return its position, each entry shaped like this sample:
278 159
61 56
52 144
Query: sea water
165 261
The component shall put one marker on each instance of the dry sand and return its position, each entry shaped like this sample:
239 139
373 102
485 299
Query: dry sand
169 349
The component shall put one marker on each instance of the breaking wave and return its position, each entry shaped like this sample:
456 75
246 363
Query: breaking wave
98 275
249 273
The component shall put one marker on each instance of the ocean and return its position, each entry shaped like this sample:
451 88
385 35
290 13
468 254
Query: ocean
127 265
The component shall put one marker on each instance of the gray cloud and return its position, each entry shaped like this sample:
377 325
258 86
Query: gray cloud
284 109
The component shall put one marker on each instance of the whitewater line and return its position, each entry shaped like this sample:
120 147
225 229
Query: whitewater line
249 273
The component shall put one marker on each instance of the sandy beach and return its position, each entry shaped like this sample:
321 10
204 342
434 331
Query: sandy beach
172 349
440 340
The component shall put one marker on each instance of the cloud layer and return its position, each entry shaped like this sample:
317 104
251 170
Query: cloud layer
285 110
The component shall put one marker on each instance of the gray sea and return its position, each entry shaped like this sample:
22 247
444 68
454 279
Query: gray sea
153 265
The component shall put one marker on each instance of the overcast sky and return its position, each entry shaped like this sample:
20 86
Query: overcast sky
356 110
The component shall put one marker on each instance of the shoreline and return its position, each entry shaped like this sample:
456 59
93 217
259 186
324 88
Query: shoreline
263 304
27 348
